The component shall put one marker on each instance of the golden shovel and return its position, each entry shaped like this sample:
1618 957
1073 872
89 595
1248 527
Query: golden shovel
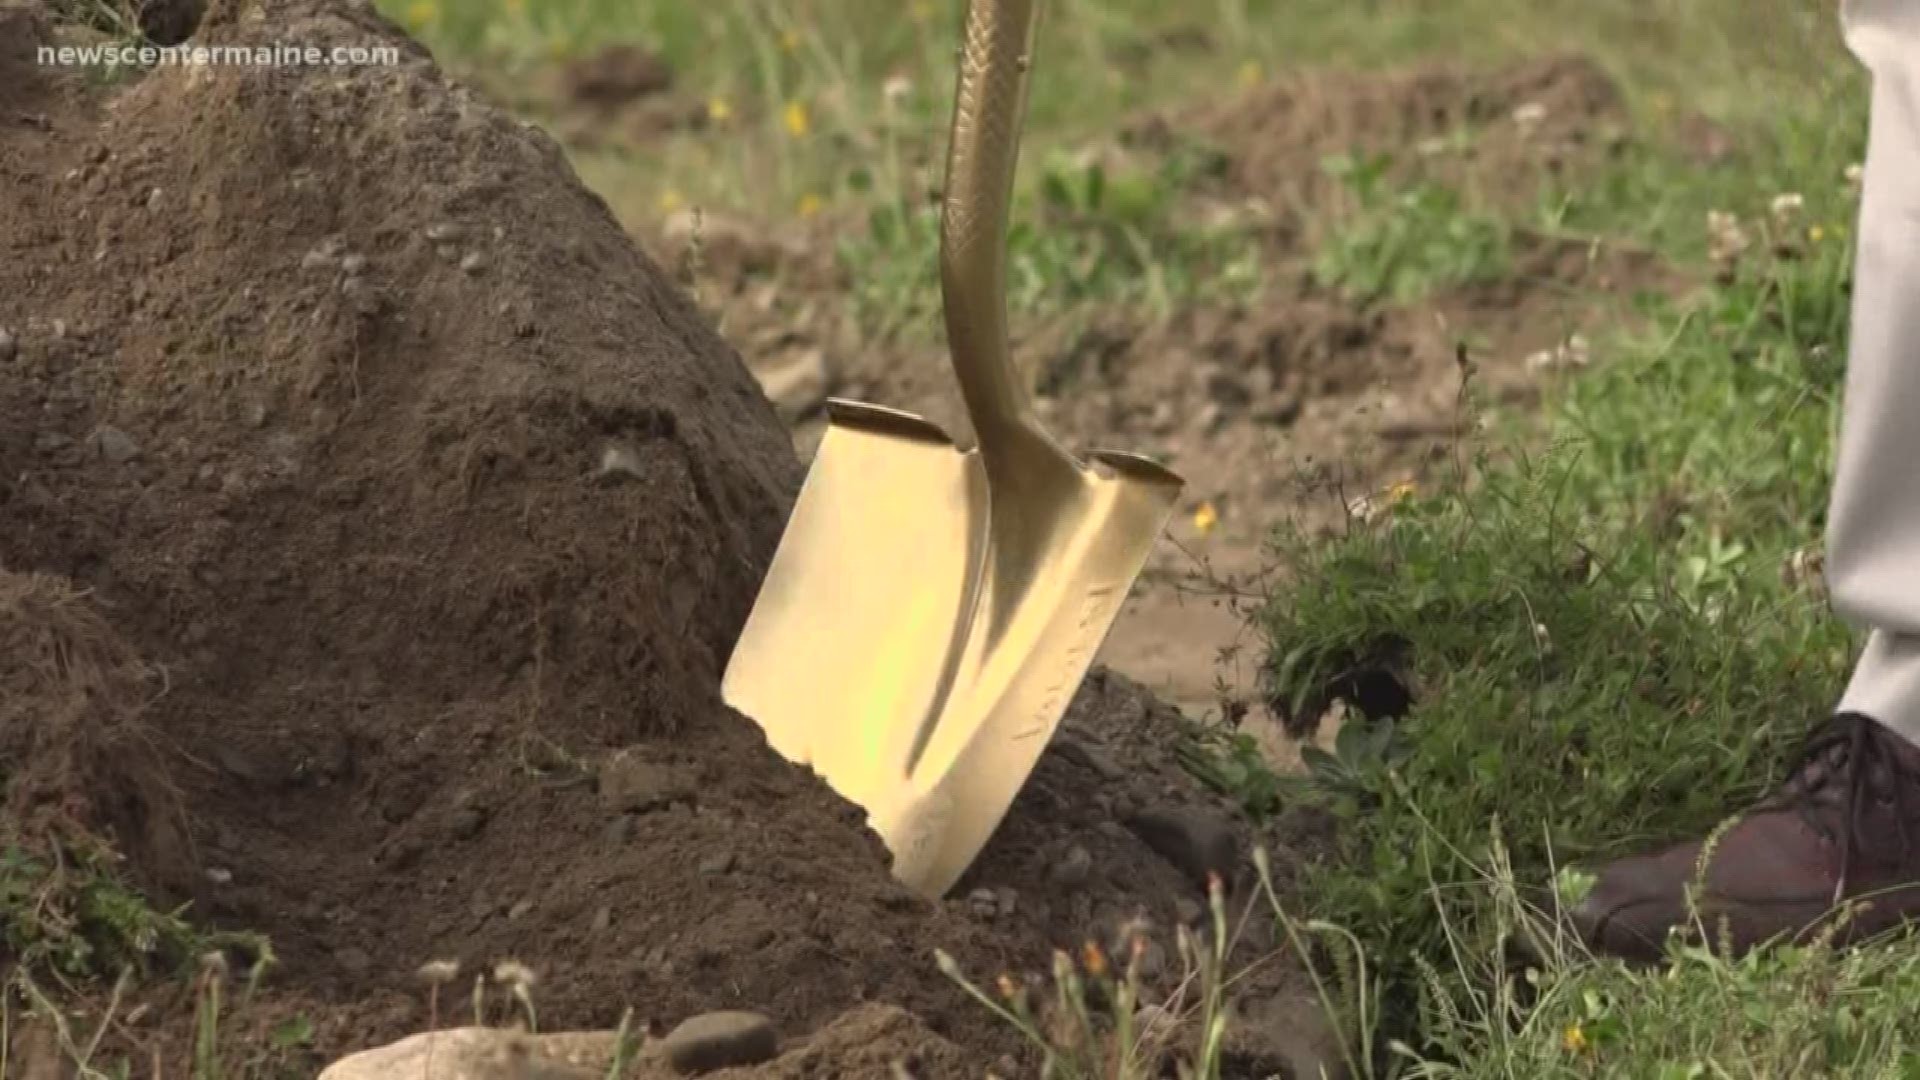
929 613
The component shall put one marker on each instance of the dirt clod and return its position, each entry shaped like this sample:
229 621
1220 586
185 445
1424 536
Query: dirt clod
114 445
1199 843
616 75
633 781
1073 868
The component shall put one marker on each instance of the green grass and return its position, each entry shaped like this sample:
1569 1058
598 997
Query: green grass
1401 244
1609 651
1083 234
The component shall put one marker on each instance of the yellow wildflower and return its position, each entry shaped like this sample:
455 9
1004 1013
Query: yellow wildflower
670 200
515 7
1094 959
1574 1039
1400 491
920 10
789 41
423 12
796 118
1815 234
1205 517
1249 74
809 205
719 110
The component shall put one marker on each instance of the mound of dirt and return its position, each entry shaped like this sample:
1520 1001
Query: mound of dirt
439 507
1499 131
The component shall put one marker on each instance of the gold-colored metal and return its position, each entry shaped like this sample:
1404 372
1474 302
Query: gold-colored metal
929 613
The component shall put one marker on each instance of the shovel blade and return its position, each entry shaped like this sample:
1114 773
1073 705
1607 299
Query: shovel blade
1013 688
861 618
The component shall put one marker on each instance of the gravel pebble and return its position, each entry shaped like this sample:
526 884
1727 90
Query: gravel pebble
631 783
466 822
620 830
115 445
1074 868
720 1040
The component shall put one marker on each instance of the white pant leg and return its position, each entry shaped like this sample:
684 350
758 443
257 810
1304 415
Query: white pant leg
1873 527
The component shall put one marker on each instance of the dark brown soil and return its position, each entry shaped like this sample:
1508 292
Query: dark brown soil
313 381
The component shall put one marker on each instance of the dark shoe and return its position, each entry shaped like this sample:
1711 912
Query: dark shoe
1845 825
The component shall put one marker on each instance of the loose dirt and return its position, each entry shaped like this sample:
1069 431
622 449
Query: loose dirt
377 521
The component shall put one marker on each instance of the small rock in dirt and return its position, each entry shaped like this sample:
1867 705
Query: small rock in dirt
354 263
1073 868
465 823
983 903
519 910
717 863
621 829
619 462
9 345
319 258
1197 842
481 1053
219 875
353 960
1080 753
602 919
115 445
48 442
155 200
402 854
256 415
632 783
473 262
720 1040
1005 900
59 329
445 232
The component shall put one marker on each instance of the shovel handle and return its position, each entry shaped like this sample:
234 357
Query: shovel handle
989 105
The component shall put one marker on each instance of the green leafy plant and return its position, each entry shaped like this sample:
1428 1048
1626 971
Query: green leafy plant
1403 243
